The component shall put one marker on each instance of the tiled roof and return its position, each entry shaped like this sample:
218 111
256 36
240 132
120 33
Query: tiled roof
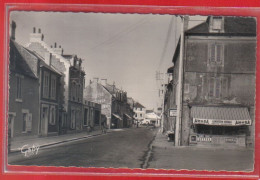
232 26
20 59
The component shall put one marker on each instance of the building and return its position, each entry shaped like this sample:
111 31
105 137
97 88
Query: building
33 94
139 111
113 103
92 116
152 118
72 81
217 94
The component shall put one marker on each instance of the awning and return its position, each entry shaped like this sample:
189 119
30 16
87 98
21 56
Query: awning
129 117
220 116
117 116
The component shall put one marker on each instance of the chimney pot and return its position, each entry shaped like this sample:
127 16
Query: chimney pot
13 27
42 37
39 30
55 45
60 46
34 30
51 46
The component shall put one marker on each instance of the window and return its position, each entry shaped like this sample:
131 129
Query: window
140 109
141 115
216 52
52 120
73 91
18 87
218 87
27 121
216 23
53 87
46 86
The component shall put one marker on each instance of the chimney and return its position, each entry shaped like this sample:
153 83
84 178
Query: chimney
104 82
47 58
36 36
57 50
80 62
13 27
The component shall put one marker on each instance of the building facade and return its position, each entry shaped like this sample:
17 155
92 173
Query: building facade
139 111
71 82
218 85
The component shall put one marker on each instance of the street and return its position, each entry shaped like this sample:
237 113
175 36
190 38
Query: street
138 148
122 148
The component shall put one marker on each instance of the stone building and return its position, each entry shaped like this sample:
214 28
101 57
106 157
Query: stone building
218 84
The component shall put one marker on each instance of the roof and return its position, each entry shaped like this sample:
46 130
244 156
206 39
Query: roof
219 115
236 26
177 51
42 62
138 105
21 57
111 88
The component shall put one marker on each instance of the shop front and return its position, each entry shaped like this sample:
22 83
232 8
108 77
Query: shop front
219 126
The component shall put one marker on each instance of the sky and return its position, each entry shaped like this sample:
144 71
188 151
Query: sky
125 49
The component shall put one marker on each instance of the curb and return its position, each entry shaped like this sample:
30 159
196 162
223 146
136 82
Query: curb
58 142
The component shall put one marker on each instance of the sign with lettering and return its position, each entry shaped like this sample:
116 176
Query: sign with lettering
172 112
220 122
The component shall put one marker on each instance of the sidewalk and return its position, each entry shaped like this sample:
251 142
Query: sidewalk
19 142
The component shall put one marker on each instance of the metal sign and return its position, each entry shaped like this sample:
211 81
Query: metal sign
172 112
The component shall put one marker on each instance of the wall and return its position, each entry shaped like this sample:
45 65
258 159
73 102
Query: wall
30 95
237 75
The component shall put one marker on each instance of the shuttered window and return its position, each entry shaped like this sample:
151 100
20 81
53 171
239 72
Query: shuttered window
216 54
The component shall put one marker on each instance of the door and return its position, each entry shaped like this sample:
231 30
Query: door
44 120
11 117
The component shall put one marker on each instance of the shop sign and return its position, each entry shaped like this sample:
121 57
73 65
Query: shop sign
221 122
172 112
231 140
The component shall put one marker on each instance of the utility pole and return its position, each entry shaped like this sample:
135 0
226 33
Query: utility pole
180 83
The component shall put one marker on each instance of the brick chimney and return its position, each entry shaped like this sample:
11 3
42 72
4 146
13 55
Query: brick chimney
57 50
13 27
36 36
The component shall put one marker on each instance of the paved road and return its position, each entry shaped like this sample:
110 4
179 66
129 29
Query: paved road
126 148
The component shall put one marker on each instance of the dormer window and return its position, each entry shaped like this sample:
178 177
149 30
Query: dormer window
217 24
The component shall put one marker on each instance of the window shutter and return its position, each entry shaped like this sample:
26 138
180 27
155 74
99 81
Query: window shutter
212 53
218 53
217 90
29 122
211 87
